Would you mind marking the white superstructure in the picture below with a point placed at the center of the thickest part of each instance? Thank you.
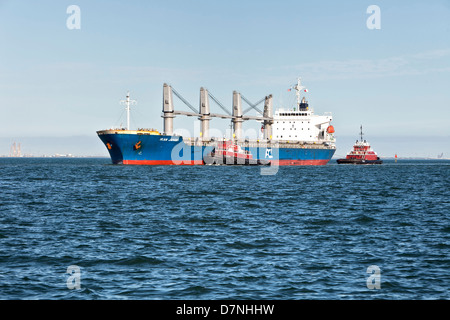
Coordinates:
(301, 124)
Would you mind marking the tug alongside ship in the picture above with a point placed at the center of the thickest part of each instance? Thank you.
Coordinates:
(294, 136)
(228, 153)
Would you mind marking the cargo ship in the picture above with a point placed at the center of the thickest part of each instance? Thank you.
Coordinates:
(362, 153)
(294, 136)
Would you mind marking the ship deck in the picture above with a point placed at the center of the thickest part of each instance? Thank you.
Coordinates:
(263, 144)
(248, 143)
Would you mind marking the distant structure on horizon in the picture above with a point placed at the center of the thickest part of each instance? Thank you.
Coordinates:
(15, 151)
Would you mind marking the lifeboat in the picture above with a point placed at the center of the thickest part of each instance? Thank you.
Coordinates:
(330, 129)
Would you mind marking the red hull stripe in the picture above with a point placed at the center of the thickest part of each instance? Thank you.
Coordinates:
(163, 162)
(200, 162)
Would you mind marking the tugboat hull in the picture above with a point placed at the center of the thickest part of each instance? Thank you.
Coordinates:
(227, 160)
(358, 161)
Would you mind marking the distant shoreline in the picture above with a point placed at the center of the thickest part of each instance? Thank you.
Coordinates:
(412, 158)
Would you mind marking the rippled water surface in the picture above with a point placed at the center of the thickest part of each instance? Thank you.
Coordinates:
(223, 232)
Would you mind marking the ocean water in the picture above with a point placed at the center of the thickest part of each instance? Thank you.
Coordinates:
(329, 232)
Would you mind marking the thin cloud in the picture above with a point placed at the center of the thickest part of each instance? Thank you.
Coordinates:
(413, 64)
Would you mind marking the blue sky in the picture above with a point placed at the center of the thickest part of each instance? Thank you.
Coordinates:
(56, 82)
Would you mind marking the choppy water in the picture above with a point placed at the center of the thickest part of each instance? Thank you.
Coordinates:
(223, 232)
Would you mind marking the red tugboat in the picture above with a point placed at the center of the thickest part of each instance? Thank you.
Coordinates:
(227, 153)
(362, 153)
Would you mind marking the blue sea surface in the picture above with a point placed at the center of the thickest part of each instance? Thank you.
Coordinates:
(208, 232)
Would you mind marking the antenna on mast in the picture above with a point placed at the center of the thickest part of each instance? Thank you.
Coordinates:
(127, 102)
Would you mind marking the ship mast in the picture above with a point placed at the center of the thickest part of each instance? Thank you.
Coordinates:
(299, 87)
(361, 134)
(127, 104)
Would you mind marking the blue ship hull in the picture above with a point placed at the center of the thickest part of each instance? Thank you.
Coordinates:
(133, 147)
